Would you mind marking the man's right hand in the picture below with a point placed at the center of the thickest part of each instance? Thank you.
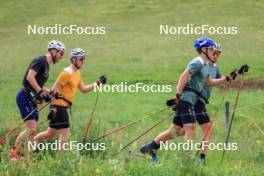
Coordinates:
(171, 102)
(102, 80)
(43, 92)
(56, 94)
(232, 75)
(236, 72)
(45, 95)
(174, 101)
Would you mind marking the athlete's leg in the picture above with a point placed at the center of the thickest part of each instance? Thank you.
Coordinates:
(189, 131)
(169, 133)
(188, 118)
(31, 130)
(46, 135)
(207, 133)
(205, 123)
(26, 107)
(152, 147)
(64, 136)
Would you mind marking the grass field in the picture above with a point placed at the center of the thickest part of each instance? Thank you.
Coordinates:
(132, 50)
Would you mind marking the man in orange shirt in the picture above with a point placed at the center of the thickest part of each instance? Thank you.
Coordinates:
(66, 84)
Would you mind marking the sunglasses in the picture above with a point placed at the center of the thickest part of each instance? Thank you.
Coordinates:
(211, 48)
(61, 53)
(82, 59)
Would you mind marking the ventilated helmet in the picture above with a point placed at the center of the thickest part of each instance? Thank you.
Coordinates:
(77, 52)
(203, 42)
(54, 44)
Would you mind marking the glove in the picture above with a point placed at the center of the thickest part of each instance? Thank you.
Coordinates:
(243, 69)
(56, 94)
(236, 72)
(171, 102)
(102, 80)
(174, 108)
(232, 75)
(44, 94)
(46, 98)
(174, 101)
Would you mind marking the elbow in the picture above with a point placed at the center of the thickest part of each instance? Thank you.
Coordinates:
(82, 90)
(209, 83)
(29, 77)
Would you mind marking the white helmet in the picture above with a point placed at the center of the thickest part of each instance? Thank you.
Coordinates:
(217, 47)
(77, 52)
(54, 44)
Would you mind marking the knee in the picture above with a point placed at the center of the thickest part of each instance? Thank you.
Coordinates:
(50, 134)
(180, 132)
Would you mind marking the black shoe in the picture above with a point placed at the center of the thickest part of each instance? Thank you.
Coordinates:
(146, 149)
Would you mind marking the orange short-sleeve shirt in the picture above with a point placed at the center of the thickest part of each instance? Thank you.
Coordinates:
(69, 80)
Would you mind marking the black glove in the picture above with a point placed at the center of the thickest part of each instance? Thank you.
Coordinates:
(46, 97)
(56, 95)
(171, 102)
(174, 108)
(232, 75)
(243, 69)
(102, 80)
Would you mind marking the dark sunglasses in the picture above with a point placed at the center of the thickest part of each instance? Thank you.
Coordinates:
(211, 48)
(61, 53)
(82, 59)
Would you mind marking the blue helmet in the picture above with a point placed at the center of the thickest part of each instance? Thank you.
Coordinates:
(203, 42)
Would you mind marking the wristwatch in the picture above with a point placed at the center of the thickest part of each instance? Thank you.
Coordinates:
(178, 95)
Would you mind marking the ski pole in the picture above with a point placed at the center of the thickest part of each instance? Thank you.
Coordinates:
(129, 124)
(87, 130)
(233, 114)
(146, 131)
(22, 121)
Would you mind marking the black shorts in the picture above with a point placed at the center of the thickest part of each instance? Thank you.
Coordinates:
(59, 117)
(201, 113)
(185, 114)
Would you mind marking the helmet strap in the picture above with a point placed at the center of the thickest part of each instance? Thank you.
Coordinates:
(206, 53)
(75, 64)
(53, 57)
